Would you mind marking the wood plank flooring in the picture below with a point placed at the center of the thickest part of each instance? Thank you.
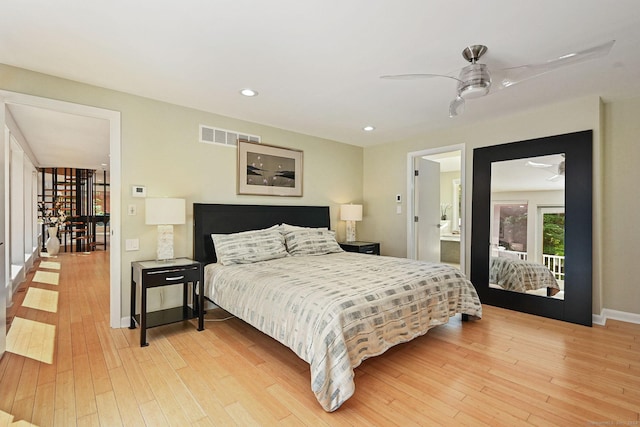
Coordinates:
(507, 369)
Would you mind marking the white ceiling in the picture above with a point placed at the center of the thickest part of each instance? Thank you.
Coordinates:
(316, 64)
(521, 175)
(60, 139)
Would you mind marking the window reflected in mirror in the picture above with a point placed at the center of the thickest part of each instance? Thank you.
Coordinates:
(527, 226)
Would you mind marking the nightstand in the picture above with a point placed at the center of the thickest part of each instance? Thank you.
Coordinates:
(371, 248)
(153, 274)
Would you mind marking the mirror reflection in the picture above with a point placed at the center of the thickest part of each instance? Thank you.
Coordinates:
(527, 225)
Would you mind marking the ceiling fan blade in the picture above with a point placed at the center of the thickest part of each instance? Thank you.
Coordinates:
(519, 74)
(538, 165)
(415, 76)
(456, 107)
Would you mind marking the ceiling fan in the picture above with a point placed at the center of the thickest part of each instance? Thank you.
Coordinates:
(474, 80)
(556, 170)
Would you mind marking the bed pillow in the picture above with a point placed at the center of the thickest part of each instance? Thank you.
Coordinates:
(249, 246)
(286, 228)
(311, 241)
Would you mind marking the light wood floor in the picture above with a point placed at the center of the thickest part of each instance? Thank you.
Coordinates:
(506, 369)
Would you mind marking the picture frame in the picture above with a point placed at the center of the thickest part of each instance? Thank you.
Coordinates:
(269, 170)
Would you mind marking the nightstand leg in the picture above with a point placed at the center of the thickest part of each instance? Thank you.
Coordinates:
(143, 316)
(200, 305)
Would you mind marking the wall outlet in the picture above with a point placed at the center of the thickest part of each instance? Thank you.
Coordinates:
(132, 245)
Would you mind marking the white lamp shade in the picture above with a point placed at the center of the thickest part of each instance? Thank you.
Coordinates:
(351, 212)
(164, 211)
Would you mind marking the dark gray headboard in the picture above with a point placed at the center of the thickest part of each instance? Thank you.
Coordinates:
(225, 219)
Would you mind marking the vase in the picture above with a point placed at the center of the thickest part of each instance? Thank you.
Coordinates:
(52, 244)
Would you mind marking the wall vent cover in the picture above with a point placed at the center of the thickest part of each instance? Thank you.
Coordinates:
(211, 135)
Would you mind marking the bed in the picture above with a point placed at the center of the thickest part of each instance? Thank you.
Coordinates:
(521, 276)
(334, 309)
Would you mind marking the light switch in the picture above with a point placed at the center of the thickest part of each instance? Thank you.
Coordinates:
(399, 209)
(132, 244)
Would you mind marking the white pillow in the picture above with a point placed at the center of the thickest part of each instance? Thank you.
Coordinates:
(249, 246)
(286, 228)
(311, 241)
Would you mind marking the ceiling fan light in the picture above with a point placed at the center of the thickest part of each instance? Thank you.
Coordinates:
(475, 81)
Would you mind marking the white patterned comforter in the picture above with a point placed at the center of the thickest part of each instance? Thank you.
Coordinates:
(520, 276)
(336, 310)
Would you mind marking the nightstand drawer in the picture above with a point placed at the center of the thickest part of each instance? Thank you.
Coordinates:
(171, 275)
(371, 248)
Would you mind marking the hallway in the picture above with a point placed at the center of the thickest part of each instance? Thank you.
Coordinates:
(62, 314)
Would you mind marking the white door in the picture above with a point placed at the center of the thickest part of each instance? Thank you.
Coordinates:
(427, 185)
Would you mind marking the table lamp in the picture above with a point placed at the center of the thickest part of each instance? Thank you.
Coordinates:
(164, 212)
(351, 214)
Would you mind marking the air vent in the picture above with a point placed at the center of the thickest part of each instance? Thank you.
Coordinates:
(210, 135)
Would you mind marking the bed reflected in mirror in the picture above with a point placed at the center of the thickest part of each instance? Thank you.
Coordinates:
(527, 225)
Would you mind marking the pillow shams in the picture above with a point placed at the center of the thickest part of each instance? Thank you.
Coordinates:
(311, 241)
(249, 246)
(287, 228)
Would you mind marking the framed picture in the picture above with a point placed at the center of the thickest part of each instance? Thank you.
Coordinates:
(269, 170)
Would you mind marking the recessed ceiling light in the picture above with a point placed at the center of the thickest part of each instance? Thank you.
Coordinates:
(248, 92)
(368, 128)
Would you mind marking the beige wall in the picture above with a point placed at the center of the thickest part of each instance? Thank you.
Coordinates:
(160, 150)
(621, 205)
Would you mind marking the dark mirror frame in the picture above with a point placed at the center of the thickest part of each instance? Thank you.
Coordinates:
(577, 304)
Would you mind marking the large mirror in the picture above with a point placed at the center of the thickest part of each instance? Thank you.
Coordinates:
(532, 219)
(527, 225)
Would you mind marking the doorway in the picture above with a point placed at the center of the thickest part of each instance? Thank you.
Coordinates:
(114, 141)
(436, 208)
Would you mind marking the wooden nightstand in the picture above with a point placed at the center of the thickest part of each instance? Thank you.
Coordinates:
(152, 274)
(372, 248)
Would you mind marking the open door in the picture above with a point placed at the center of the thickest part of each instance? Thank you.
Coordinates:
(427, 185)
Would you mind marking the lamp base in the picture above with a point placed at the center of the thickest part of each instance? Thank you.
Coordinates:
(351, 231)
(165, 243)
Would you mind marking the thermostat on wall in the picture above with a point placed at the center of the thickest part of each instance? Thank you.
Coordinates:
(138, 191)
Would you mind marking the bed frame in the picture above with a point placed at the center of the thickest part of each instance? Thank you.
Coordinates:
(225, 219)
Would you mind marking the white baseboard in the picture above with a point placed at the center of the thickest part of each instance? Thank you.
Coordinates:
(125, 322)
(623, 316)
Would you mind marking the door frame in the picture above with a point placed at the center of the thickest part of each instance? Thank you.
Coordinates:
(539, 227)
(115, 178)
(411, 229)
